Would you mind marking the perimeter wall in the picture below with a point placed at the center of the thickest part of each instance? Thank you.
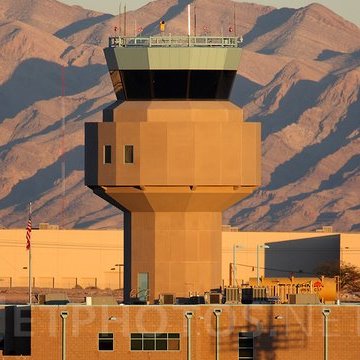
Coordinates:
(89, 258)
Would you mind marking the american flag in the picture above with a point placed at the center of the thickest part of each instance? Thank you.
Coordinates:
(28, 234)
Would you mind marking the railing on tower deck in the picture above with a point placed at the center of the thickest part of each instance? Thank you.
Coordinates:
(175, 41)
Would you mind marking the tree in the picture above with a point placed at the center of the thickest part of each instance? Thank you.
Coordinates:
(349, 277)
(349, 274)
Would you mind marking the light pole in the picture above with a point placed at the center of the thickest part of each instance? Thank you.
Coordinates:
(258, 247)
(342, 253)
(326, 313)
(235, 247)
(63, 315)
(118, 266)
(29, 284)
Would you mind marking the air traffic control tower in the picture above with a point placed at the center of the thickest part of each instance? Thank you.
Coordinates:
(173, 153)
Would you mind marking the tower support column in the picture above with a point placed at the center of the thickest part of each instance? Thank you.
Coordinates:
(174, 252)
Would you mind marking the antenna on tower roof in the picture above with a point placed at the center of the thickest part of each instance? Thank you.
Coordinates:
(194, 18)
(189, 20)
(120, 18)
(125, 19)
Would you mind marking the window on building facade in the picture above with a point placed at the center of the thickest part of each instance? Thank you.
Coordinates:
(246, 346)
(107, 154)
(129, 154)
(155, 342)
(106, 342)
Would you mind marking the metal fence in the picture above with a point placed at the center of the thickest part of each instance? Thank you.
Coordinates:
(175, 41)
(52, 282)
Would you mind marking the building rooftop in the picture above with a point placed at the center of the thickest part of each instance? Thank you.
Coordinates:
(175, 41)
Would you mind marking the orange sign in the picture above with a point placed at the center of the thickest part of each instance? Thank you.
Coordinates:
(318, 285)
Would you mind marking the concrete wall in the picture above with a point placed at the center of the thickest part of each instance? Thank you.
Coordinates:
(62, 256)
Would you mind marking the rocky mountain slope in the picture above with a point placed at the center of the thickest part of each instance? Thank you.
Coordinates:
(299, 76)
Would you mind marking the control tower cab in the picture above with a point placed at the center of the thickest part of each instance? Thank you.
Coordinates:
(172, 153)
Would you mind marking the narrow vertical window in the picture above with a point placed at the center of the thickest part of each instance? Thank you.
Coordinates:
(107, 154)
(106, 342)
(129, 154)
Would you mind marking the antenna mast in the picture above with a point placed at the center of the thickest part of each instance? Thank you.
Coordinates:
(125, 19)
(189, 20)
(195, 18)
(120, 19)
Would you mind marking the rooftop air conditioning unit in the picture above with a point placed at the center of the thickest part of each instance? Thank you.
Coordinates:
(327, 229)
(213, 298)
(259, 293)
(233, 295)
(247, 296)
(167, 299)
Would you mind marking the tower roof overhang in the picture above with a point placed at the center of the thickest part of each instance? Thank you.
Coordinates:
(170, 58)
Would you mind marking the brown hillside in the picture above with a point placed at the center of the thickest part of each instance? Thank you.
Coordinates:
(299, 77)
(311, 32)
(48, 15)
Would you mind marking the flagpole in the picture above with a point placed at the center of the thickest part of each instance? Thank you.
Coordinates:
(30, 275)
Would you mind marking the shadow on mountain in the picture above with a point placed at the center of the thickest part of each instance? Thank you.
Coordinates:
(280, 210)
(243, 90)
(101, 215)
(80, 114)
(172, 12)
(297, 167)
(37, 79)
(273, 215)
(356, 54)
(301, 96)
(342, 174)
(268, 22)
(246, 212)
(43, 180)
(326, 218)
(328, 54)
(81, 25)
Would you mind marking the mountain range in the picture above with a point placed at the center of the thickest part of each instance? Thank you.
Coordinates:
(299, 76)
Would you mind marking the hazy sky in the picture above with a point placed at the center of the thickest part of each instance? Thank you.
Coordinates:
(349, 9)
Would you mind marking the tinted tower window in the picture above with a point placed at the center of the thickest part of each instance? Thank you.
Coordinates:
(129, 154)
(107, 154)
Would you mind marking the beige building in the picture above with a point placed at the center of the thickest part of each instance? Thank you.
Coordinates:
(66, 258)
(62, 258)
